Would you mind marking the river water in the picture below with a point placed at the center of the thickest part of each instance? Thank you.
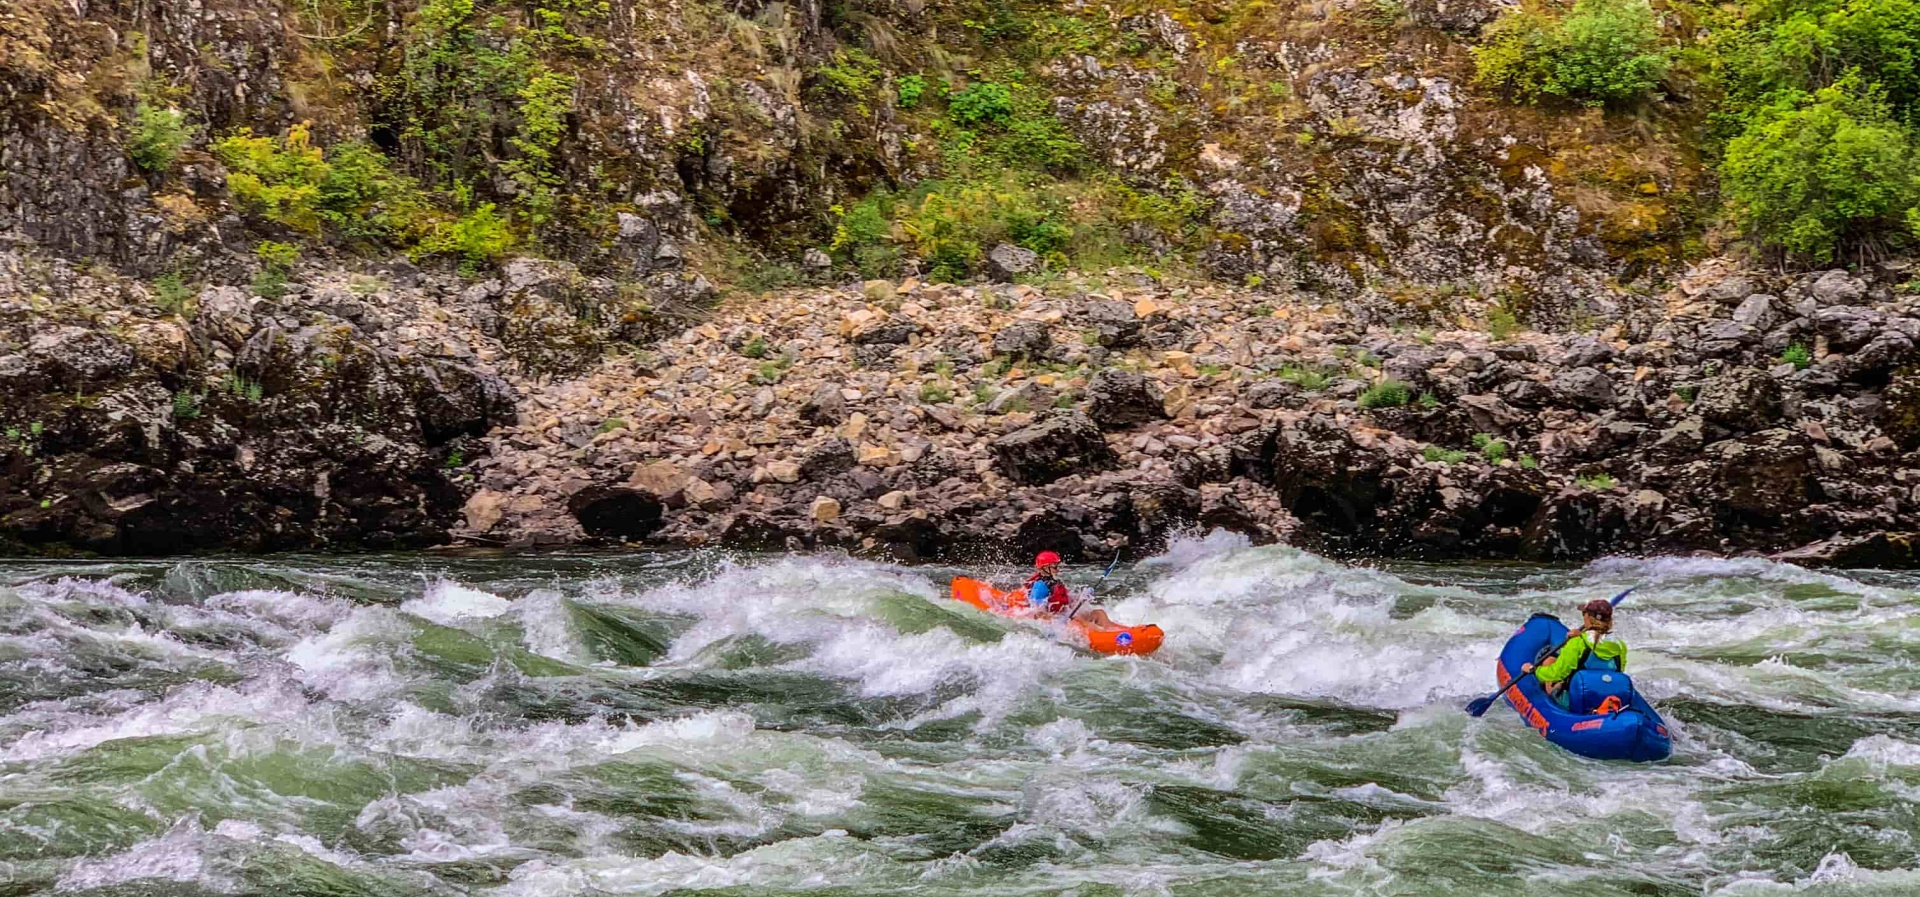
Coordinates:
(707, 724)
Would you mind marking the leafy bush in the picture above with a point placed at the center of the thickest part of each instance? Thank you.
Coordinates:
(1311, 379)
(350, 188)
(1529, 462)
(852, 74)
(276, 262)
(1798, 355)
(982, 103)
(1494, 450)
(936, 393)
(1603, 51)
(276, 179)
(1386, 394)
(158, 136)
(1502, 323)
(171, 292)
(1817, 175)
(755, 348)
(478, 237)
(1443, 455)
(1598, 482)
(909, 90)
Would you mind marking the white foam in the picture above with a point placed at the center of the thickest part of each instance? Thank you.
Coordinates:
(451, 604)
(179, 856)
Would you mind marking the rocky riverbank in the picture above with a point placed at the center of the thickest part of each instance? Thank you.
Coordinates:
(387, 406)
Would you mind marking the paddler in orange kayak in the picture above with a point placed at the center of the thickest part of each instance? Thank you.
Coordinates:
(1046, 594)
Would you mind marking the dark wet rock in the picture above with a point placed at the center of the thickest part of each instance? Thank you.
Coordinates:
(1025, 339)
(893, 332)
(616, 513)
(834, 456)
(1741, 399)
(1113, 323)
(1585, 388)
(1878, 550)
(1064, 443)
(1847, 328)
(1586, 352)
(1117, 398)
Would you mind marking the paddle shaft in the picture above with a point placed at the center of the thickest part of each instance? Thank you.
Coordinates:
(1096, 587)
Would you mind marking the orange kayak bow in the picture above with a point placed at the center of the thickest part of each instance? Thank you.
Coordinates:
(1138, 641)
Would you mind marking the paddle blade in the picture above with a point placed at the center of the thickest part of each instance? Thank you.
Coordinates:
(1480, 705)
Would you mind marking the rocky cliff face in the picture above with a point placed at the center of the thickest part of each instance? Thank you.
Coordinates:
(1325, 147)
(1753, 414)
(1361, 234)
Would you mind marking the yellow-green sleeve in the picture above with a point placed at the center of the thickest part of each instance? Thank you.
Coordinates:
(1565, 663)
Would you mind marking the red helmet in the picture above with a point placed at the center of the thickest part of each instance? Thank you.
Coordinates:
(1598, 608)
(1045, 558)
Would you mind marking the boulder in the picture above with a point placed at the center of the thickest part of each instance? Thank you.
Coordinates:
(1113, 323)
(1584, 388)
(826, 407)
(1847, 328)
(825, 509)
(1878, 550)
(1757, 311)
(637, 244)
(1586, 352)
(1741, 399)
(1007, 261)
(1024, 339)
(1117, 398)
(1729, 291)
(1837, 287)
(616, 512)
(891, 332)
(831, 457)
(452, 400)
(1064, 443)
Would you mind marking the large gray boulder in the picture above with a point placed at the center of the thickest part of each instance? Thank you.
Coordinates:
(1065, 443)
(1007, 261)
(1117, 398)
(1742, 399)
(1584, 388)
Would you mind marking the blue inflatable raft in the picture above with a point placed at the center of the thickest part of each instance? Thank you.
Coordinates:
(1605, 717)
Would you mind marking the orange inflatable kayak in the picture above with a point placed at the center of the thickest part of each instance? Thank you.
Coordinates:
(1138, 641)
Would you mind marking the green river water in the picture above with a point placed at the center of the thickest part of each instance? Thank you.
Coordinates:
(717, 724)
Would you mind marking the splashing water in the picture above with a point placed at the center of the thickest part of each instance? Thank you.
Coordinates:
(680, 724)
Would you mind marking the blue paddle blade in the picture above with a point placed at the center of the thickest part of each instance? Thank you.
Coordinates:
(1480, 706)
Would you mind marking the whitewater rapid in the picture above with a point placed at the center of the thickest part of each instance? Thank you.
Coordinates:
(691, 723)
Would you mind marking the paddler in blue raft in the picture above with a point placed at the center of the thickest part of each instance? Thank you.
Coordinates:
(1596, 648)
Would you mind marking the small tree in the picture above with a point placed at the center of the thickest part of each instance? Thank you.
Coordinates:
(1816, 175)
(1603, 51)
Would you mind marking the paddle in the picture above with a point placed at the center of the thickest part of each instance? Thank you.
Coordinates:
(1095, 590)
(1480, 706)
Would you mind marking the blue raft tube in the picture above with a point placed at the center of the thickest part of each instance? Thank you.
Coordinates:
(1628, 729)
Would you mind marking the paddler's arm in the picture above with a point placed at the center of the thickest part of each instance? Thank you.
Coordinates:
(1565, 662)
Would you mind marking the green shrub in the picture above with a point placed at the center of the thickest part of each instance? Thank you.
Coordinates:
(908, 91)
(852, 74)
(158, 136)
(1502, 324)
(1443, 455)
(755, 348)
(276, 179)
(171, 292)
(1529, 462)
(1386, 394)
(1602, 51)
(611, 424)
(478, 237)
(983, 103)
(936, 393)
(1428, 401)
(1798, 355)
(1814, 176)
(1311, 379)
(1598, 482)
(186, 405)
(1494, 450)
